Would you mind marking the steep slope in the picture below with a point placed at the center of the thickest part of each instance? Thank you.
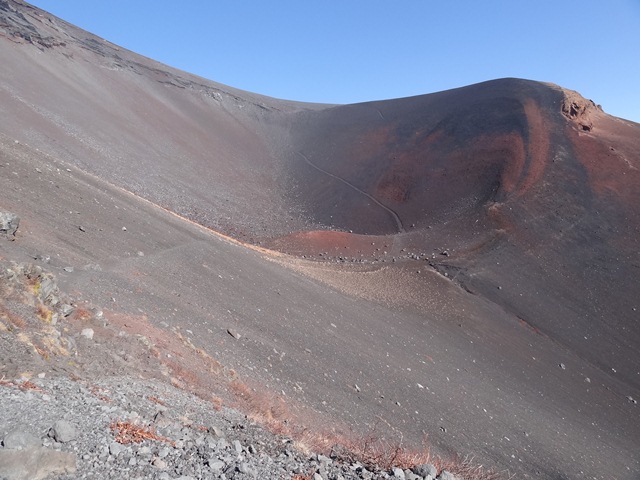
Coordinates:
(525, 185)
(486, 296)
(177, 139)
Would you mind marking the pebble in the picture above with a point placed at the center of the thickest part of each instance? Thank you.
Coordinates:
(87, 333)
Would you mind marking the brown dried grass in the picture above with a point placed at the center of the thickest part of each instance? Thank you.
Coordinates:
(127, 433)
(12, 318)
(81, 314)
(266, 408)
(41, 351)
(468, 469)
(183, 377)
(370, 450)
(29, 385)
(157, 401)
(217, 402)
(44, 313)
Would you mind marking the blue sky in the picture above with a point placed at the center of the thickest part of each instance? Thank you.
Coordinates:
(357, 50)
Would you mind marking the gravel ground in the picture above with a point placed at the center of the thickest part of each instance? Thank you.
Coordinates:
(121, 427)
(80, 398)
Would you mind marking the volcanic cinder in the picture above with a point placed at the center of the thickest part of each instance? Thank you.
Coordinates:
(470, 258)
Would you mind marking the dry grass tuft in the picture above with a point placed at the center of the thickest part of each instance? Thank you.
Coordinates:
(216, 402)
(158, 401)
(266, 408)
(127, 432)
(99, 393)
(44, 313)
(6, 383)
(41, 351)
(371, 450)
(29, 385)
(183, 377)
(81, 314)
(13, 319)
(469, 470)
(308, 476)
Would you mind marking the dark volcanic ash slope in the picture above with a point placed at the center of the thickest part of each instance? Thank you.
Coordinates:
(525, 185)
(194, 146)
(506, 327)
(524, 194)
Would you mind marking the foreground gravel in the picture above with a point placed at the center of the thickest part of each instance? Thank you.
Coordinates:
(122, 427)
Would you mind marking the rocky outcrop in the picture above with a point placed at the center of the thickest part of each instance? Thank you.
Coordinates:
(579, 110)
(9, 223)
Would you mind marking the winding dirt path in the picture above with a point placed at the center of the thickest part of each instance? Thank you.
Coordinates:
(395, 216)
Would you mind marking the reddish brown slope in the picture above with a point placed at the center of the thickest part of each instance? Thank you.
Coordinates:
(532, 191)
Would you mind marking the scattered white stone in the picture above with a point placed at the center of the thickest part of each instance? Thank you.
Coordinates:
(87, 333)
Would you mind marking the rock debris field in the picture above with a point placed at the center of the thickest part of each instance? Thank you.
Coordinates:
(127, 428)
(82, 399)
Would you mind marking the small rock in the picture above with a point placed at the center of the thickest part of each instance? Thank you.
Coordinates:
(92, 267)
(81, 228)
(68, 269)
(398, 473)
(159, 463)
(124, 229)
(63, 432)
(9, 223)
(144, 451)
(216, 465)
(233, 333)
(66, 310)
(21, 438)
(87, 333)
(237, 446)
(246, 469)
(446, 475)
(115, 449)
(563, 366)
(426, 469)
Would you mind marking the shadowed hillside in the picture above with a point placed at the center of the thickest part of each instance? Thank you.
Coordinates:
(463, 265)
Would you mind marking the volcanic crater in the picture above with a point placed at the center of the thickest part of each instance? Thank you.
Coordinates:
(470, 259)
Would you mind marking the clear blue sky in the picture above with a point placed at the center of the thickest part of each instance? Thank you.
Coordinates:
(357, 50)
